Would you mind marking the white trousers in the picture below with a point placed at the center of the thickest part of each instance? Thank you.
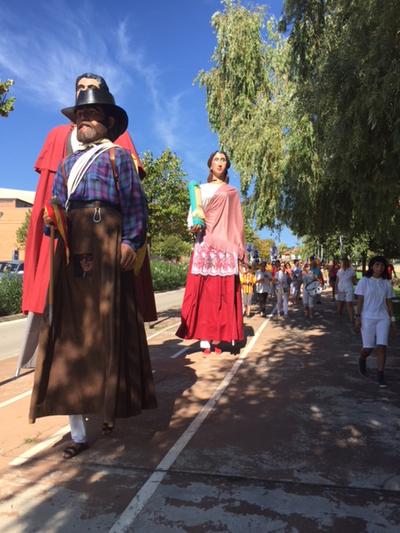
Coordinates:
(282, 302)
(78, 429)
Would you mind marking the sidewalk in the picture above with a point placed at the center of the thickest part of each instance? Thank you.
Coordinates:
(301, 442)
(298, 442)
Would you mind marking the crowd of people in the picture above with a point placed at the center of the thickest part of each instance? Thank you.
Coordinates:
(284, 281)
(368, 301)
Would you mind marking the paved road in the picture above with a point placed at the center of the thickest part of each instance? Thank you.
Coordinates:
(12, 333)
(286, 437)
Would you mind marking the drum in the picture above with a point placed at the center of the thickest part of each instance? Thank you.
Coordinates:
(314, 287)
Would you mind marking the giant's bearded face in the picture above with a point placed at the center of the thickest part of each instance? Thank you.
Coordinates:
(92, 123)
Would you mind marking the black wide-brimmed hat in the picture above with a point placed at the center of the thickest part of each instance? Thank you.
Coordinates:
(104, 98)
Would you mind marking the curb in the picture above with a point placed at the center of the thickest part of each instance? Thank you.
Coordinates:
(9, 318)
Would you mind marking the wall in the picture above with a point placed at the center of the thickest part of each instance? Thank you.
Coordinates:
(12, 216)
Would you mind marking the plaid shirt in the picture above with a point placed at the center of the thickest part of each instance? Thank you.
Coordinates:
(98, 184)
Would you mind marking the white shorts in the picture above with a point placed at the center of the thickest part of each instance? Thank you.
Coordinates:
(308, 299)
(345, 296)
(375, 331)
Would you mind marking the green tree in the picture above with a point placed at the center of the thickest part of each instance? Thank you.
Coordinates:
(312, 122)
(6, 101)
(345, 58)
(22, 231)
(247, 96)
(168, 199)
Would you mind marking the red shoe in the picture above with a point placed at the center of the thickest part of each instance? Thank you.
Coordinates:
(207, 351)
(217, 350)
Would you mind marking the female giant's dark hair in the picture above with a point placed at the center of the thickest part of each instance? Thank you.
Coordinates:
(378, 259)
(228, 164)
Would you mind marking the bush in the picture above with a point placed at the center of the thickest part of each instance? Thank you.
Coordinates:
(10, 295)
(171, 247)
(168, 276)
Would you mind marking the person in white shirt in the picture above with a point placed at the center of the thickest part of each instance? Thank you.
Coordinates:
(345, 280)
(281, 282)
(263, 283)
(374, 314)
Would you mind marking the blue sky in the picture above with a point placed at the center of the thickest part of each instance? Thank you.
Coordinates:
(148, 51)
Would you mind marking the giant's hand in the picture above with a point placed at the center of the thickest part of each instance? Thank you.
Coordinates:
(128, 256)
(196, 229)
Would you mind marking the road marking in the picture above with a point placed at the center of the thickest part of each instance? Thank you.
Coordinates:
(183, 350)
(15, 399)
(177, 354)
(161, 330)
(125, 521)
(21, 459)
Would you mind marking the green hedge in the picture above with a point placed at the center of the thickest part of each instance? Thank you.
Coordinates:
(168, 276)
(10, 295)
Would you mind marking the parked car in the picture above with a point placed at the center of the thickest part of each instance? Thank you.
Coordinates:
(11, 268)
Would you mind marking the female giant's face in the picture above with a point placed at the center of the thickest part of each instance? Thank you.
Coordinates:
(218, 165)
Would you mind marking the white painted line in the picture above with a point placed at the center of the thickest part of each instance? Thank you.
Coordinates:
(185, 349)
(15, 399)
(41, 446)
(125, 521)
(177, 354)
(162, 330)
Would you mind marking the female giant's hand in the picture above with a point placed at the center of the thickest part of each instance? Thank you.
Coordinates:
(195, 229)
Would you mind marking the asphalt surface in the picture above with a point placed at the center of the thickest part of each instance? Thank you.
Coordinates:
(286, 436)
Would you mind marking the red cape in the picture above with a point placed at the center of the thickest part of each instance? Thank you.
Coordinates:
(37, 252)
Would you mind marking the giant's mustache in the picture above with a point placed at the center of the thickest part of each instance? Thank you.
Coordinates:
(84, 123)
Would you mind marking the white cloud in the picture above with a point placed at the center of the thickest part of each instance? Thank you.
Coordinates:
(45, 56)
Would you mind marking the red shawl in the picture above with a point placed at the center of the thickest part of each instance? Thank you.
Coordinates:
(224, 221)
(37, 262)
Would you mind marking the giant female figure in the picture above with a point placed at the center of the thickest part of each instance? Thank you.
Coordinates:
(212, 305)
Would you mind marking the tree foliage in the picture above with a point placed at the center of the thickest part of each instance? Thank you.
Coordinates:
(22, 231)
(246, 102)
(6, 101)
(312, 122)
(168, 199)
(345, 59)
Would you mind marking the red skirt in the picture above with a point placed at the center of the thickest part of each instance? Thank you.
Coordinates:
(212, 308)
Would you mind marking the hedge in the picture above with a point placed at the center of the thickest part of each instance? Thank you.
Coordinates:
(166, 276)
(10, 295)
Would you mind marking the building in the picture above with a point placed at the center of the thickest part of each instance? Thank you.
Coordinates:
(14, 205)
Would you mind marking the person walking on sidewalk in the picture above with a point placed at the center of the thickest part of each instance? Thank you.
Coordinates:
(247, 281)
(332, 275)
(345, 280)
(297, 280)
(263, 283)
(93, 356)
(374, 315)
(282, 283)
(308, 297)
